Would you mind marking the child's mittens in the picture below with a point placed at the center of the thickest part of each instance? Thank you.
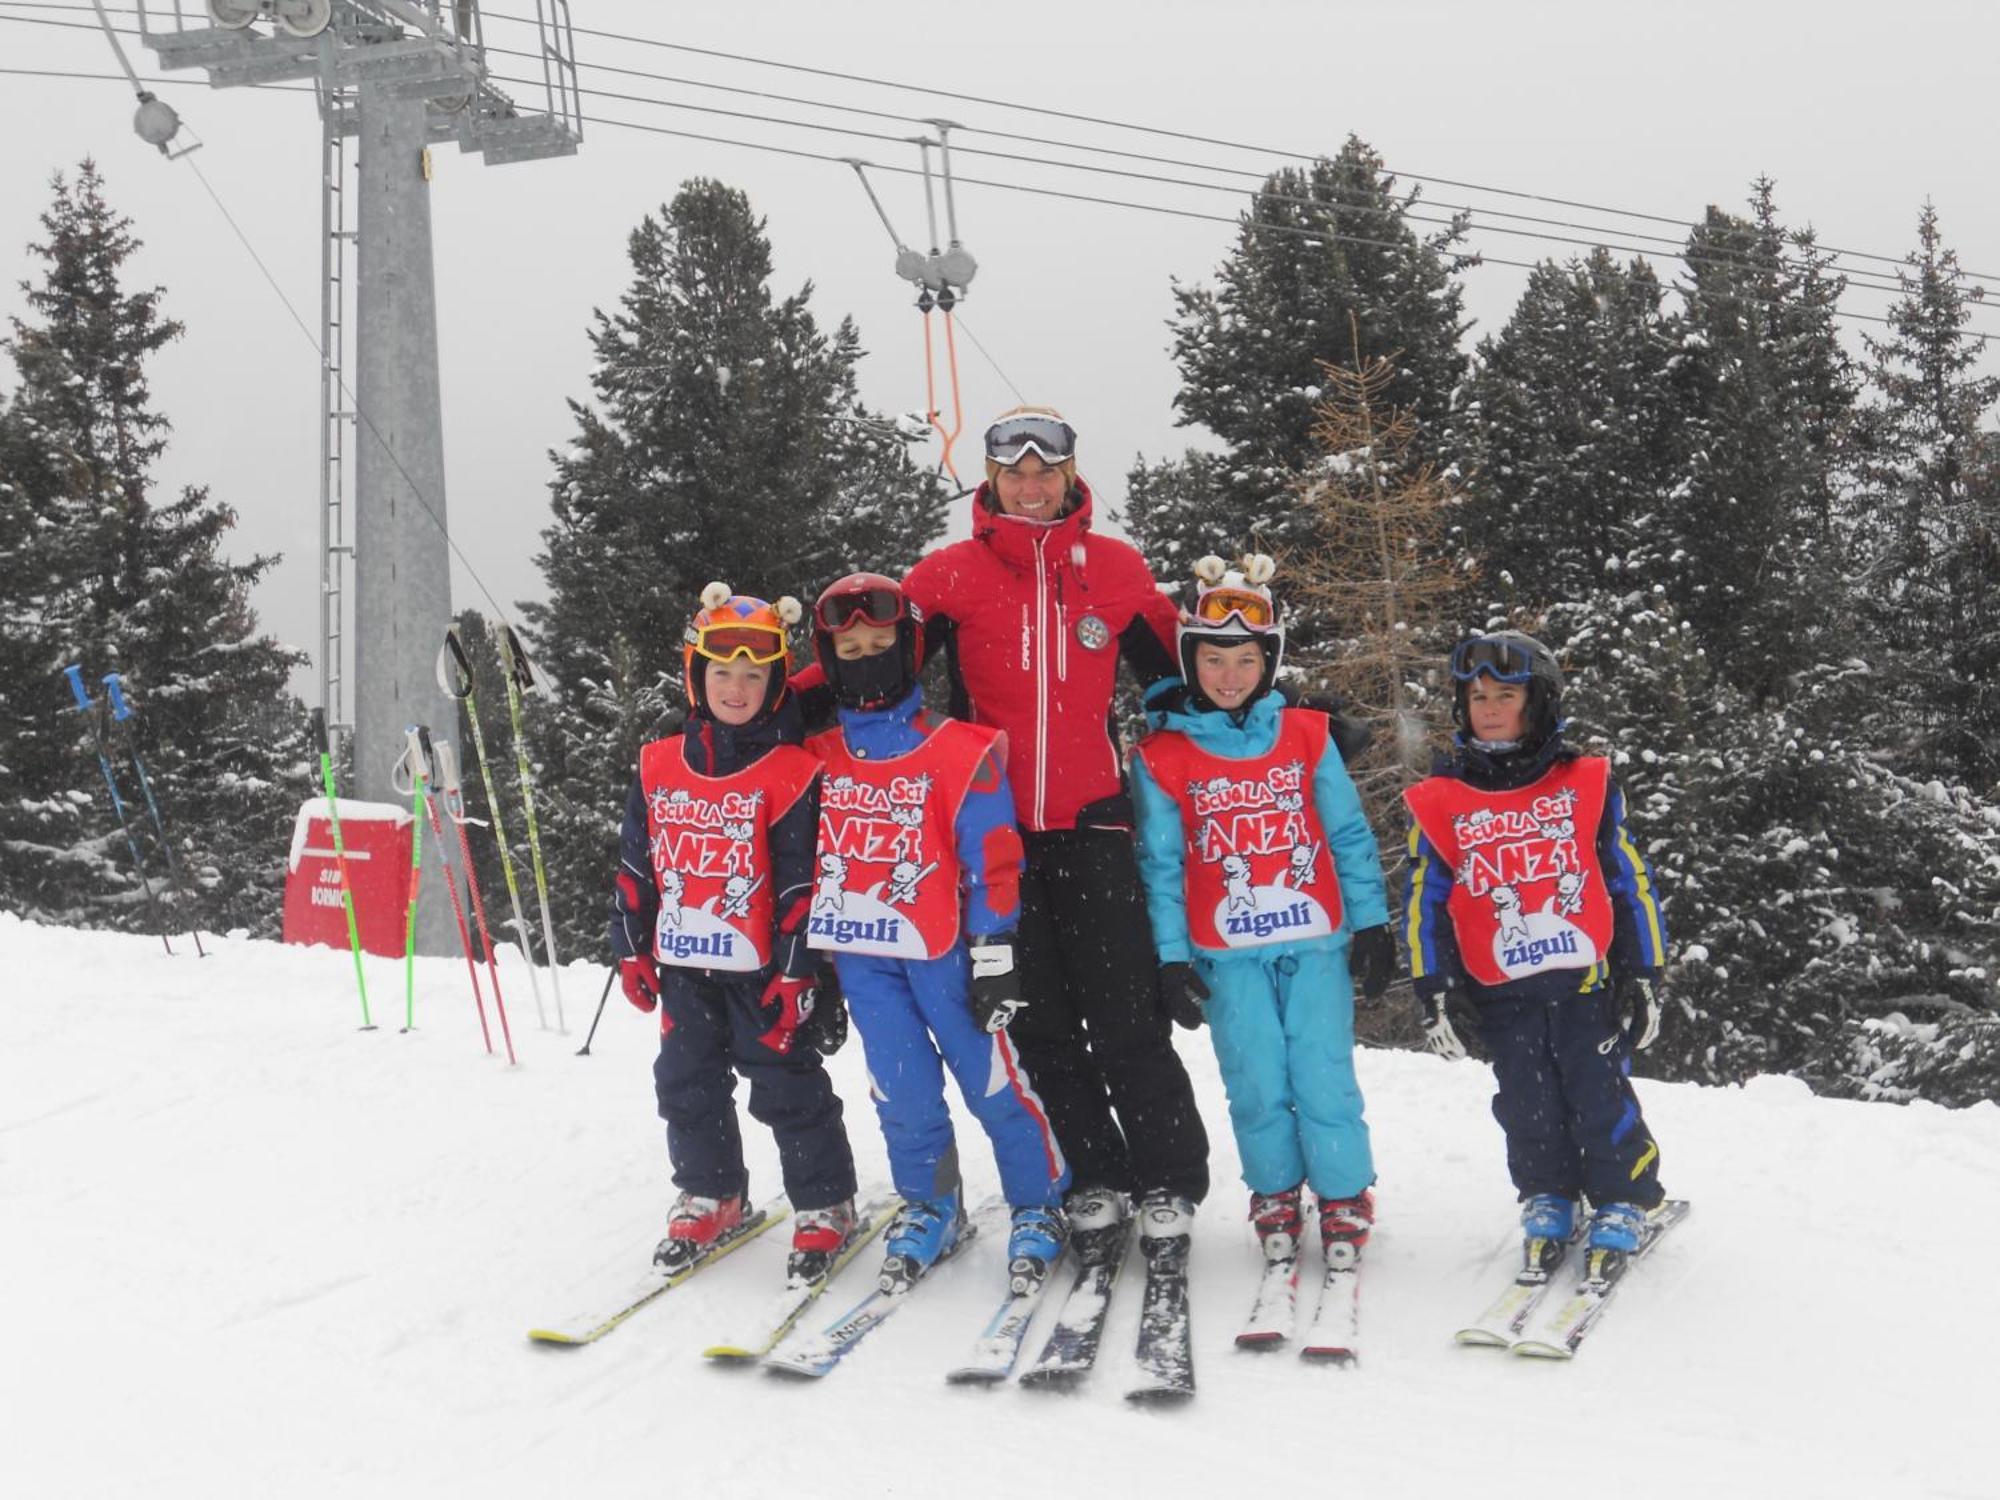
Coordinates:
(996, 983)
(1372, 961)
(639, 977)
(825, 1030)
(1438, 1034)
(1639, 1007)
(792, 1000)
(1183, 994)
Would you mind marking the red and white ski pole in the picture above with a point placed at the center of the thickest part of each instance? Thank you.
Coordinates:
(446, 761)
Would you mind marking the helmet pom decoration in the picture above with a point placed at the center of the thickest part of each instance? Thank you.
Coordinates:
(1258, 568)
(715, 596)
(790, 610)
(1210, 569)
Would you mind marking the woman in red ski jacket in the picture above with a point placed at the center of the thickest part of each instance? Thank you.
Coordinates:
(1034, 613)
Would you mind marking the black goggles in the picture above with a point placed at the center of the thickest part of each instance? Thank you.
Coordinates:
(1050, 439)
(1492, 656)
(862, 606)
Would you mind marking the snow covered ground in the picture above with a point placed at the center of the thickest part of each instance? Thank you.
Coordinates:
(249, 1250)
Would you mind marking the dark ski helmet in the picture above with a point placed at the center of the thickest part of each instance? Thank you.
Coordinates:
(868, 682)
(1231, 607)
(1509, 656)
(730, 625)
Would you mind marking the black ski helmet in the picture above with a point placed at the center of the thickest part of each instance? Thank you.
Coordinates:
(869, 682)
(1510, 656)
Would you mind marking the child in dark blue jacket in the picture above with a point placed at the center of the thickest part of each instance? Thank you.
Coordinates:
(1528, 895)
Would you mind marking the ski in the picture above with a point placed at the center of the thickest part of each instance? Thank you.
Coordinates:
(815, 1356)
(1165, 1351)
(590, 1327)
(1275, 1311)
(1567, 1327)
(1336, 1326)
(999, 1345)
(1510, 1312)
(1072, 1344)
(782, 1315)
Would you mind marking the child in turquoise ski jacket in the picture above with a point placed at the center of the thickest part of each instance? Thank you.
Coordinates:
(1261, 876)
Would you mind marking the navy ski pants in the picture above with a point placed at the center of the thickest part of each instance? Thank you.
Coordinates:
(1565, 1099)
(717, 1019)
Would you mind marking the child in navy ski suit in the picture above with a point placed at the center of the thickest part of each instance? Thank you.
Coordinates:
(1528, 895)
(708, 922)
(1260, 869)
(916, 894)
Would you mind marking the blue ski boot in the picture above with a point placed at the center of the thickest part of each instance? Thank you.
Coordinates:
(1033, 1246)
(922, 1234)
(1548, 1224)
(1616, 1230)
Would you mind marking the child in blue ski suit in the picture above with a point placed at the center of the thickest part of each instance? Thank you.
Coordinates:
(1528, 896)
(917, 894)
(1260, 870)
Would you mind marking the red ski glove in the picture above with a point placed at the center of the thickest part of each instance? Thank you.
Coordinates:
(639, 977)
(794, 1001)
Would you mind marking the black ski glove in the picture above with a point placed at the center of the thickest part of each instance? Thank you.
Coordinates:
(1638, 998)
(1182, 994)
(996, 984)
(825, 1030)
(1372, 960)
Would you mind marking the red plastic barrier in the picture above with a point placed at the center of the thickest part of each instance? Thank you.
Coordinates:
(377, 838)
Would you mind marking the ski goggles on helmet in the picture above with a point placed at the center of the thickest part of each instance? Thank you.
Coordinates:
(1245, 607)
(1492, 656)
(728, 639)
(1012, 439)
(865, 606)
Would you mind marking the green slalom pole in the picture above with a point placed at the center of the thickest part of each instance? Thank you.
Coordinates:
(520, 676)
(416, 885)
(340, 860)
(454, 674)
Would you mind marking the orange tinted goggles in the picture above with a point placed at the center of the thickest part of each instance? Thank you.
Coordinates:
(726, 642)
(1217, 606)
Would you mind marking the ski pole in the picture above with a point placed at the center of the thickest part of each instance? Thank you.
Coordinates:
(416, 885)
(520, 677)
(121, 715)
(86, 706)
(454, 807)
(584, 1050)
(340, 860)
(454, 674)
(418, 754)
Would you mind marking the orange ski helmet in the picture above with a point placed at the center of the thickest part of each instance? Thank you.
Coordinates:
(729, 626)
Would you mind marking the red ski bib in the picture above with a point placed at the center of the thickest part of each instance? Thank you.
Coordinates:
(1527, 895)
(1256, 866)
(710, 843)
(888, 856)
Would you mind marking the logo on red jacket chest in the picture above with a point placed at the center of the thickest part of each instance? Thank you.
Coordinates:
(704, 836)
(1092, 633)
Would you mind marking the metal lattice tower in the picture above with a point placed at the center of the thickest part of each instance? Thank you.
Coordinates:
(396, 77)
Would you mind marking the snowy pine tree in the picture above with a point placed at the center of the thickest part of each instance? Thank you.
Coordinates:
(1929, 523)
(1317, 246)
(1574, 433)
(726, 441)
(94, 569)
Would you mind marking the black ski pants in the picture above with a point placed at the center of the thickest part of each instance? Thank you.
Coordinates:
(1565, 1099)
(1092, 1036)
(717, 1019)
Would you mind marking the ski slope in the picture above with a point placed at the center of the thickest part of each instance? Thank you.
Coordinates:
(249, 1250)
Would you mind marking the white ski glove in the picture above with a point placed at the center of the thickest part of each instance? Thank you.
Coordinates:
(1438, 1034)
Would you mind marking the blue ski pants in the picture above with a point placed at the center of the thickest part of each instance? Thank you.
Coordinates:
(1283, 1028)
(1565, 1099)
(915, 1020)
(716, 1022)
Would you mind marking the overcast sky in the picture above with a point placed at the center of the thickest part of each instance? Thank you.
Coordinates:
(1859, 113)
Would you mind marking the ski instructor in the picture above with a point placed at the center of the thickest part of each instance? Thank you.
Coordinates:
(1034, 612)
